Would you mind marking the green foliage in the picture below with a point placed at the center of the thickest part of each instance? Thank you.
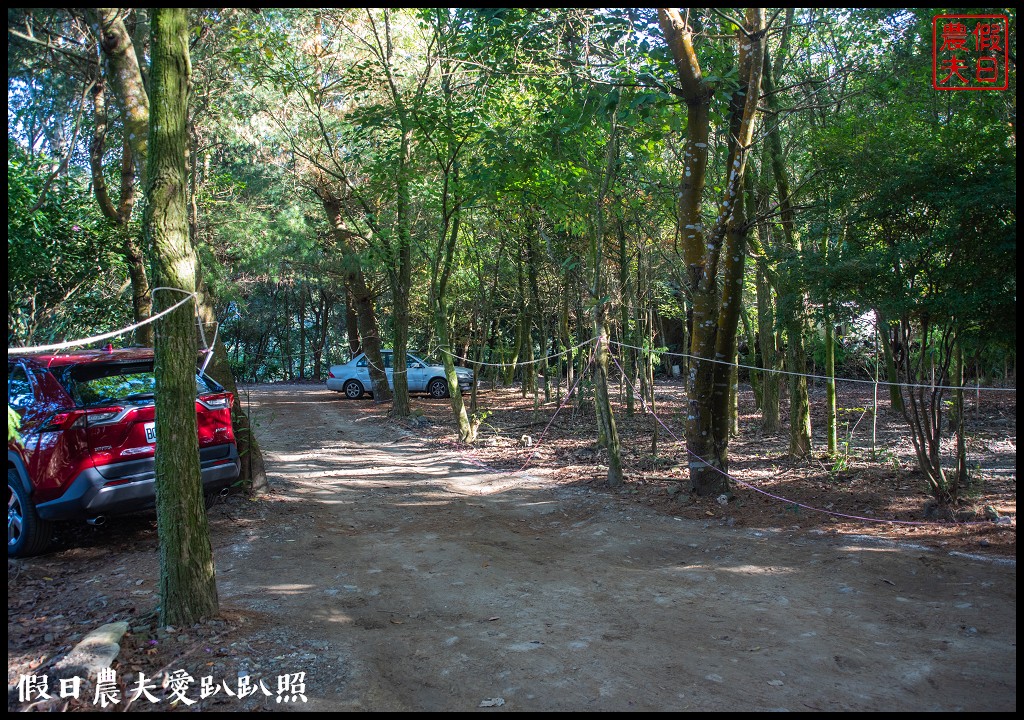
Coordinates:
(928, 232)
(817, 350)
(64, 276)
(929, 195)
(13, 425)
(841, 461)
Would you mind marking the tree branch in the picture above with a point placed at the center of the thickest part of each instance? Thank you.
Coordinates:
(63, 165)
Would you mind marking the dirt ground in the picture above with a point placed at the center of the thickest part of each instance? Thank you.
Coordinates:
(398, 574)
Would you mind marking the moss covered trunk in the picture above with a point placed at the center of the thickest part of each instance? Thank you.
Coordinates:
(188, 590)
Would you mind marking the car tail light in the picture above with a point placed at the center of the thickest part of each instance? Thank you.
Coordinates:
(101, 416)
(82, 417)
(221, 401)
(330, 374)
(62, 421)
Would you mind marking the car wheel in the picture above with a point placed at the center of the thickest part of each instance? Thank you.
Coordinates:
(27, 533)
(353, 389)
(438, 388)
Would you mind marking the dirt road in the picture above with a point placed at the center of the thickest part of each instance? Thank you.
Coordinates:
(414, 581)
(400, 577)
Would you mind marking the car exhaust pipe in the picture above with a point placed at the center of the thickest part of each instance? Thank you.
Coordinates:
(97, 521)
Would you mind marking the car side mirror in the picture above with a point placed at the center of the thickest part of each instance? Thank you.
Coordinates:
(418, 366)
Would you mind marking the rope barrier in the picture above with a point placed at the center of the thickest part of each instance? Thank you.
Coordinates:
(86, 341)
(817, 377)
(524, 362)
(752, 487)
(393, 372)
(503, 365)
(536, 448)
(104, 336)
(208, 350)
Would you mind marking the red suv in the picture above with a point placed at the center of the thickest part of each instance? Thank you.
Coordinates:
(88, 438)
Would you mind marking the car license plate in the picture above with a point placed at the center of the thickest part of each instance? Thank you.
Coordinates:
(150, 429)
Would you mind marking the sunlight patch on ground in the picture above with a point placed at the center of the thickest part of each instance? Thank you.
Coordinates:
(891, 549)
(290, 589)
(423, 503)
(757, 570)
(334, 616)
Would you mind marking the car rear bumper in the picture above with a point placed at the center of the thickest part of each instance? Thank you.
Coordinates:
(131, 486)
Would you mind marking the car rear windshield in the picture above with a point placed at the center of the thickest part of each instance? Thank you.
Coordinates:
(97, 384)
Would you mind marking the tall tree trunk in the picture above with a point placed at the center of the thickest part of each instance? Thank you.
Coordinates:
(715, 317)
(443, 263)
(253, 470)
(399, 242)
(831, 432)
(791, 297)
(750, 358)
(607, 432)
(529, 371)
(125, 75)
(530, 368)
(188, 590)
(734, 398)
(355, 282)
(625, 353)
(643, 334)
(830, 374)
(963, 478)
(466, 429)
(891, 374)
(566, 337)
(730, 309)
(584, 396)
(770, 356)
(649, 374)
(799, 401)
(303, 289)
(485, 347)
(538, 313)
(401, 275)
(351, 320)
(370, 338)
(120, 215)
(603, 403)
(284, 338)
(517, 345)
(142, 296)
(323, 317)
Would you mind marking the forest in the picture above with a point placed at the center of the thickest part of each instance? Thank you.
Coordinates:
(580, 205)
